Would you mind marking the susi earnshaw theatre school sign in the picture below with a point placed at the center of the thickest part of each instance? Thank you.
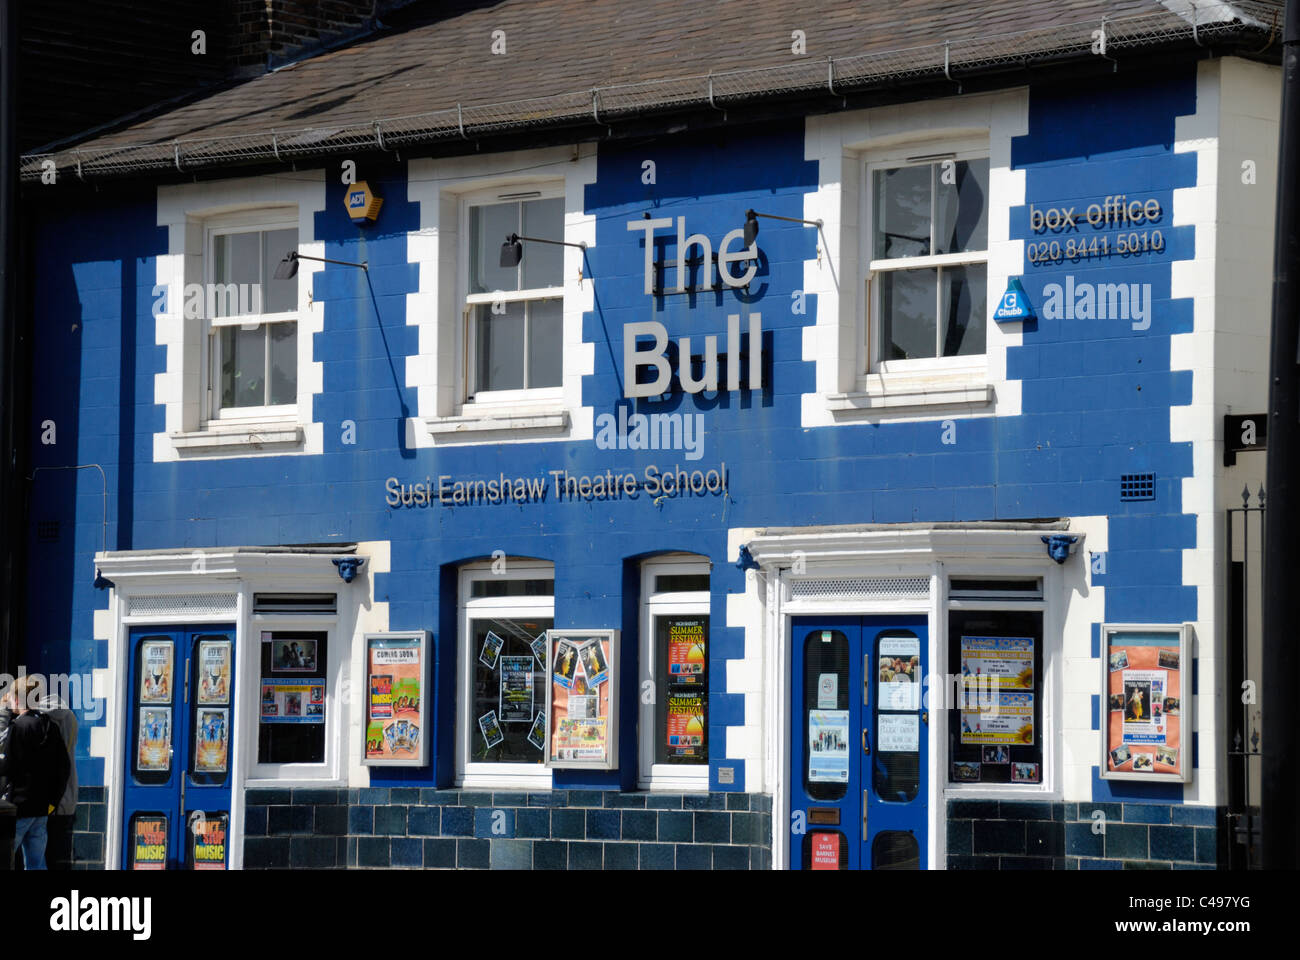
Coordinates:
(636, 431)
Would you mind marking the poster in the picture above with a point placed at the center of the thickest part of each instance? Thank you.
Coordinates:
(1024, 773)
(211, 739)
(394, 692)
(828, 746)
(685, 728)
(154, 739)
(492, 734)
(566, 663)
(579, 716)
(156, 656)
(208, 842)
(899, 673)
(580, 739)
(1143, 671)
(516, 704)
(898, 733)
(1008, 719)
(825, 851)
(1003, 662)
(293, 701)
(492, 645)
(537, 734)
(298, 656)
(149, 843)
(594, 664)
(214, 672)
(539, 650)
(687, 650)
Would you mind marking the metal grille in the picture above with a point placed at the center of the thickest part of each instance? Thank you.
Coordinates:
(861, 588)
(1137, 486)
(1181, 21)
(180, 605)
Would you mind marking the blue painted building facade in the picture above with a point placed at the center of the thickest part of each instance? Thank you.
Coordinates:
(1032, 444)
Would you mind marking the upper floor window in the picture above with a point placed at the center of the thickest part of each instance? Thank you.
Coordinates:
(252, 317)
(515, 314)
(927, 281)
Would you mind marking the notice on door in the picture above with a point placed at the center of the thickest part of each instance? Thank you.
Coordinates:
(828, 746)
(898, 733)
(825, 851)
(900, 673)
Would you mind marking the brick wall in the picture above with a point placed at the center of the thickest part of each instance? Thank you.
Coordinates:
(556, 830)
(1020, 835)
(283, 30)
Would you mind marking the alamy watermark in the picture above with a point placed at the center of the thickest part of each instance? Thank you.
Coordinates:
(74, 690)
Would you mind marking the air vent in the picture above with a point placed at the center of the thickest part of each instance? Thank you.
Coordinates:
(994, 589)
(1137, 486)
(296, 603)
(47, 531)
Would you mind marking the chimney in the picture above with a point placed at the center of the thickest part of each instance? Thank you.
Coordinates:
(270, 33)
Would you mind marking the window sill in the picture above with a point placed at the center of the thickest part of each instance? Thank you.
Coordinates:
(897, 392)
(515, 420)
(238, 437)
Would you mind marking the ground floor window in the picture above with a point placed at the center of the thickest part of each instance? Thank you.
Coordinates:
(291, 712)
(995, 730)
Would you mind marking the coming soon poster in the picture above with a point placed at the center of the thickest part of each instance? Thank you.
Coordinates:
(395, 666)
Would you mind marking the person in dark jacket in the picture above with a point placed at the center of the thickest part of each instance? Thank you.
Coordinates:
(59, 845)
(24, 758)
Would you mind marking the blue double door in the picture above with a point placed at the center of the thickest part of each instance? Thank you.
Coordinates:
(859, 743)
(177, 770)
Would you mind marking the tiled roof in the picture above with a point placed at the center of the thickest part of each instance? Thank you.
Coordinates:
(435, 76)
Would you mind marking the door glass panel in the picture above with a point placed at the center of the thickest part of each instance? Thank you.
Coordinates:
(207, 840)
(509, 690)
(897, 764)
(895, 850)
(826, 734)
(151, 758)
(148, 843)
(210, 710)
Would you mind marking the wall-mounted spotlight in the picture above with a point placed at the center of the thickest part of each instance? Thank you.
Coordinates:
(288, 267)
(512, 251)
(751, 224)
(348, 567)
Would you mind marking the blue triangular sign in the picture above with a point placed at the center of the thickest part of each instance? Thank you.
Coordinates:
(1014, 304)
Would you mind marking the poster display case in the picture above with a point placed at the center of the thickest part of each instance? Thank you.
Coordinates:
(397, 710)
(581, 718)
(1145, 670)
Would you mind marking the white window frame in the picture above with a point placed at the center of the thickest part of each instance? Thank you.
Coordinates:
(276, 774)
(255, 221)
(870, 348)
(499, 776)
(667, 776)
(471, 398)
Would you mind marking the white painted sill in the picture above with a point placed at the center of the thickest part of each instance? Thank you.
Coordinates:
(499, 422)
(239, 437)
(898, 392)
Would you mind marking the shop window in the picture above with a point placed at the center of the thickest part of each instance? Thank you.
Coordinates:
(292, 709)
(515, 314)
(674, 718)
(504, 619)
(996, 735)
(928, 261)
(252, 319)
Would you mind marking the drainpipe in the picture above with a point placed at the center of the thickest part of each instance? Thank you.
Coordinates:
(1279, 798)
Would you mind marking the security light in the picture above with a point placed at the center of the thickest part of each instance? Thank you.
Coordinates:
(512, 251)
(751, 224)
(288, 267)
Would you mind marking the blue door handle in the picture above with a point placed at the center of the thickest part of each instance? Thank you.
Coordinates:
(866, 744)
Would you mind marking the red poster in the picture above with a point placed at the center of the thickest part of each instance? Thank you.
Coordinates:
(149, 843)
(825, 851)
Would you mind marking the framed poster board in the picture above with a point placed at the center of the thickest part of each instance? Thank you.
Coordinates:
(397, 709)
(1146, 670)
(582, 699)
